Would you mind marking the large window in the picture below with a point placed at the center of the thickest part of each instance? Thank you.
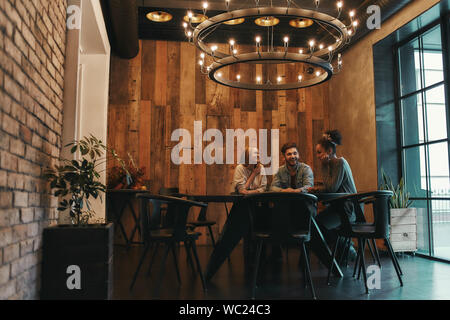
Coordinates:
(424, 143)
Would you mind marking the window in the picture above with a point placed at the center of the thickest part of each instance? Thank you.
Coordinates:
(424, 142)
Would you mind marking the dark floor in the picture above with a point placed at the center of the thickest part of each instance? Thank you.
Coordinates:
(423, 279)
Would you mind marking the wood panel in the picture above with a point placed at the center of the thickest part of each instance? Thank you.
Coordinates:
(162, 90)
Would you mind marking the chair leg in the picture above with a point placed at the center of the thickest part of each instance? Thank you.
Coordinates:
(301, 264)
(360, 265)
(163, 262)
(388, 244)
(344, 256)
(152, 259)
(194, 250)
(188, 255)
(308, 270)
(212, 237)
(255, 272)
(392, 254)
(332, 260)
(139, 266)
(372, 253)
(377, 256)
(176, 262)
(363, 264)
(358, 257)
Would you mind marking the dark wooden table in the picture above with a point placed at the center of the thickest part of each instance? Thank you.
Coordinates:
(117, 203)
(236, 227)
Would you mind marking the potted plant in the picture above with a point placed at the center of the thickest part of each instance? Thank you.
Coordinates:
(77, 258)
(403, 225)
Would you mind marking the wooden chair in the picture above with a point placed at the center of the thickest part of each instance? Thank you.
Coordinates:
(171, 233)
(282, 218)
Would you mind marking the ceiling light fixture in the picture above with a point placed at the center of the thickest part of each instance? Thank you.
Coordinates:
(316, 54)
(159, 16)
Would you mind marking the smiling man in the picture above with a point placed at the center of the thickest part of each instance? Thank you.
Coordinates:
(294, 176)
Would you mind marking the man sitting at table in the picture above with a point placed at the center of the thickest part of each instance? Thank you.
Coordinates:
(294, 176)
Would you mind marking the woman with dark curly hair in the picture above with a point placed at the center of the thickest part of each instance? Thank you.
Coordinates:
(337, 178)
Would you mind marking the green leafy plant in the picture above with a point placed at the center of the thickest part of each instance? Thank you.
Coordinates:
(80, 179)
(401, 196)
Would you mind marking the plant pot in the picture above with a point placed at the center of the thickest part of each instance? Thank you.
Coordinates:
(403, 230)
(77, 262)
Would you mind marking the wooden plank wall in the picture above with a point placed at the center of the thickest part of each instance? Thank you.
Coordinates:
(162, 89)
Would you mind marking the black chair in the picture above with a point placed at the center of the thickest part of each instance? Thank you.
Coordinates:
(173, 230)
(281, 218)
(379, 229)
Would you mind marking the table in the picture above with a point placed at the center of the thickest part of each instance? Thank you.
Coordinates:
(237, 226)
(117, 201)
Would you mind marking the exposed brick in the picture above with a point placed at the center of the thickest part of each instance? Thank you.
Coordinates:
(26, 247)
(26, 215)
(10, 125)
(4, 274)
(11, 253)
(19, 232)
(8, 161)
(3, 178)
(20, 199)
(25, 134)
(7, 290)
(17, 147)
(5, 236)
(5, 199)
(9, 217)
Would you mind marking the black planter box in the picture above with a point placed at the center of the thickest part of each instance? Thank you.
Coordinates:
(72, 253)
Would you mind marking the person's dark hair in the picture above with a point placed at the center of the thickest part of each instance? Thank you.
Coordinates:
(287, 146)
(330, 140)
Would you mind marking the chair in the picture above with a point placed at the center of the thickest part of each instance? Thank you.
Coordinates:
(172, 232)
(282, 218)
(366, 231)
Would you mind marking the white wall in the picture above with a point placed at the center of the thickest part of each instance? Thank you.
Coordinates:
(87, 84)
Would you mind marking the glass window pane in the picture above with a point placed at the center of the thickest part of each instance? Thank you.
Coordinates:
(432, 57)
(409, 61)
(436, 114)
(412, 115)
(439, 172)
(423, 242)
(441, 228)
(415, 171)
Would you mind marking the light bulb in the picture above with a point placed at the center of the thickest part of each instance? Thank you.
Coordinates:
(279, 79)
(219, 74)
(350, 32)
(189, 14)
(317, 73)
(286, 39)
(312, 43)
(213, 48)
(232, 42)
(340, 4)
(185, 25)
(205, 5)
(352, 13)
(189, 34)
(258, 79)
(300, 51)
(258, 39)
(238, 77)
(235, 51)
(321, 47)
(300, 77)
(355, 23)
(200, 62)
(330, 48)
(202, 55)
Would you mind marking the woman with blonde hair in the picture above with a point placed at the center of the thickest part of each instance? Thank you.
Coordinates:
(249, 177)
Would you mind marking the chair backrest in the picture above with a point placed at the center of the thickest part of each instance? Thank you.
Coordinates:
(281, 214)
(176, 217)
(168, 191)
(379, 200)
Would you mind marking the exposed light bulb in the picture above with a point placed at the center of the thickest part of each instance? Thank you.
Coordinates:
(232, 42)
(317, 73)
(238, 77)
(219, 74)
(189, 14)
(205, 5)
(286, 39)
(279, 79)
(258, 39)
(330, 48)
(340, 4)
(300, 51)
(355, 23)
(185, 25)
(312, 43)
(258, 79)
(352, 13)
(300, 77)
(235, 51)
(189, 34)
(321, 47)
(200, 62)
(213, 48)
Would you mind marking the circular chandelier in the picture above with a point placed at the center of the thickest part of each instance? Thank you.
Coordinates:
(318, 56)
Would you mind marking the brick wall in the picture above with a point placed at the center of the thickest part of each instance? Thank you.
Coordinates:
(32, 52)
